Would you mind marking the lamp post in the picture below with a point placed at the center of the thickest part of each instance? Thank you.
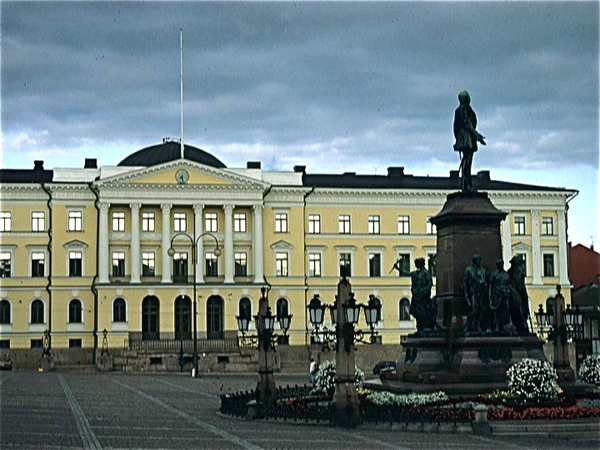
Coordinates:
(265, 322)
(560, 324)
(217, 252)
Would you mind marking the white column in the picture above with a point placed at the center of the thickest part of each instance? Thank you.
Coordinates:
(135, 243)
(103, 243)
(229, 260)
(257, 243)
(166, 243)
(198, 227)
(563, 264)
(506, 241)
(536, 249)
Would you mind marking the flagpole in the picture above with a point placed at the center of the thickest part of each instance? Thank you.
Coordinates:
(181, 62)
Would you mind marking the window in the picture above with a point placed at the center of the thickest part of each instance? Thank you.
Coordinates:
(4, 312)
(75, 264)
(431, 228)
(431, 263)
(519, 223)
(5, 264)
(375, 265)
(75, 221)
(118, 264)
(118, 221)
(547, 226)
(5, 221)
(524, 259)
(38, 221)
(314, 264)
(37, 264)
(37, 311)
(345, 264)
(211, 222)
(180, 222)
(37, 343)
(239, 223)
(549, 264)
(374, 224)
(5, 343)
(75, 311)
(344, 225)
(314, 223)
(403, 225)
(281, 264)
(403, 264)
(119, 310)
(180, 267)
(404, 309)
(148, 264)
(281, 223)
(241, 264)
(74, 343)
(148, 221)
(283, 307)
(245, 307)
(212, 265)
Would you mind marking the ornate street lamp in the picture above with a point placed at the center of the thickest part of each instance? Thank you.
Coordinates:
(217, 252)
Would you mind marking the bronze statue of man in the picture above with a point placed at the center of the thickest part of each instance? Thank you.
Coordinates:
(519, 300)
(465, 122)
(422, 307)
(500, 292)
(475, 287)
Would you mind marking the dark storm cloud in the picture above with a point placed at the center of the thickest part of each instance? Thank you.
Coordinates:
(335, 86)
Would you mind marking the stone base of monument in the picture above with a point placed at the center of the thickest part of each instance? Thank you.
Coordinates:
(105, 363)
(46, 363)
(473, 364)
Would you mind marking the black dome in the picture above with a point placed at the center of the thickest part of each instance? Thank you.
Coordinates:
(170, 151)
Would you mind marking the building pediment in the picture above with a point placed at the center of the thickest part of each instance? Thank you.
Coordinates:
(180, 174)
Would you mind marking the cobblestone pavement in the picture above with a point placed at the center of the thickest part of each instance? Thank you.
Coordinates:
(172, 411)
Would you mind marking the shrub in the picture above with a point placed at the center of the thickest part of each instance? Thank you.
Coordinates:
(589, 371)
(531, 380)
(388, 399)
(326, 378)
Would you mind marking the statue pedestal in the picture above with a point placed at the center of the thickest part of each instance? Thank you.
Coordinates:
(46, 363)
(467, 225)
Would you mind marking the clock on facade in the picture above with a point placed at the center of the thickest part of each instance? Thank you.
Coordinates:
(182, 176)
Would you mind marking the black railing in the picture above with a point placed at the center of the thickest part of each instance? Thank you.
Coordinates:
(175, 345)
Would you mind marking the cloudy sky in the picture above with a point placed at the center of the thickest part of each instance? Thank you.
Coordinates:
(334, 86)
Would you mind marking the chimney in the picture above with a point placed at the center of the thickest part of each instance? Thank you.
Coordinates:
(90, 163)
(396, 172)
(253, 165)
(38, 165)
(300, 169)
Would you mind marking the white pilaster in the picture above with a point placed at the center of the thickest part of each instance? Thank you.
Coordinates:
(166, 243)
(536, 250)
(506, 241)
(103, 243)
(563, 268)
(229, 260)
(135, 243)
(198, 230)
(257, 243)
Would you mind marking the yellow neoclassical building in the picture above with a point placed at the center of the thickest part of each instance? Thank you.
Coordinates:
(83, 250)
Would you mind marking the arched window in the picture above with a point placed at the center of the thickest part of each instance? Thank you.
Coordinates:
(150, 318)
(214, 317)
(245, 307)
(37, 311)
(75, 311)
(119, 310)
(4, 312)
(283, 308)
(404, 312)
(550, 305)
(183, 314)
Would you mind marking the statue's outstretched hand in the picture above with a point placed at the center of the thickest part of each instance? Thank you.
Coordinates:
(480, 138)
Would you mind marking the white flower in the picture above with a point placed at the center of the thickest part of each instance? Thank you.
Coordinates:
(533, 380)
(589, 371)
